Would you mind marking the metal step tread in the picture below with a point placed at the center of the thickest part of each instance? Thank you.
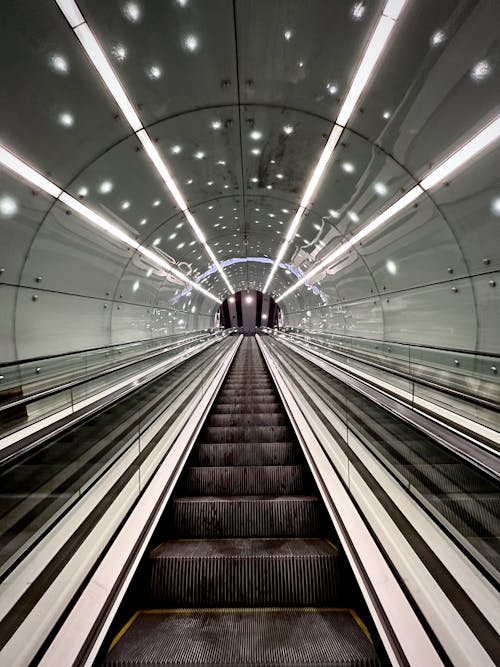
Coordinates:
(243, 573)
(245, 480)
(256, 637)
(258, 548)
(237, 418)
(214, 434)
(246, 516)
(247, 453)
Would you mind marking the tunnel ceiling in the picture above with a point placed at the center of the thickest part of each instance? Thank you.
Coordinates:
(239, 99)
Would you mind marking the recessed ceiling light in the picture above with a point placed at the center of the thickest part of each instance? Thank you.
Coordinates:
(331, 88)
(189, 181)
(285, 210)
(176, 149)
(191, 42)
(157, 241)
(386, 115)
(105, 187)
(255, 135)
(269, 187)
(348, 167)
(481, 70)
(83, 191)
(353, 216)
(358, 11)
(437, 38)
(132, 12)
(222, 163)
(216, 124)
(288, 129)
(199, 155)
(255, 151)
(66, 119)
(380, 188)
(143, 221)
(181, 245)
(154, 72)
(254, 180)
(495, 206)
(59, 63)
(210, 182)
(333, 214)
(8, 206)
(288, 35)
(391, 267)
(119, 52)
(280, 176)
(125, 205)
(156, 203)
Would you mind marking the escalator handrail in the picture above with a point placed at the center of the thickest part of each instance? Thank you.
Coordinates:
(475, 451)
(25, 444)
(492, 405)
(134, 343)
(96, 375)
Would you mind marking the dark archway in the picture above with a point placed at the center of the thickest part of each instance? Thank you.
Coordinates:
(249, 309)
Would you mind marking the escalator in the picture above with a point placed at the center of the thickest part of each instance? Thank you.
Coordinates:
(37, 487)
(246, 571)
(461, 497)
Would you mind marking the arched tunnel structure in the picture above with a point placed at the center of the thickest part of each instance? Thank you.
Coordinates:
(339, 161)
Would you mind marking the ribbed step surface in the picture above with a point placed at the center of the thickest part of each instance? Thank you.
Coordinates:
(254, 407)
(243, 434)
(247, 516)
(290, 638)
(247, 453)
(244, 480)
(249, 573)
(243, 419)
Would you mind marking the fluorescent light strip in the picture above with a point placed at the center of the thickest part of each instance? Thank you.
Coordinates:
(29, 174)
(21, 168)
(364, 71)
(94, 51)
(478, 143)
(444, 170)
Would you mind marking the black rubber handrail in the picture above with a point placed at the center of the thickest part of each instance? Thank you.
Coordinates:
(75, 383)
(466, 445)
(492, 405)
(421, 346)
(30, 360)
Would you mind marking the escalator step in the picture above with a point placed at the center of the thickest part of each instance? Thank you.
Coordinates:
(243, 573)
(249, 390)
(246, 516)
(247, 453)
(237, 418)
(256, 637)
(265, 407)
(242, 434)
(245, 480)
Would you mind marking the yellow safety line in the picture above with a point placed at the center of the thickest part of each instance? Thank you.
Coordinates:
(361, 624)
(239, 610)
(127, 625)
